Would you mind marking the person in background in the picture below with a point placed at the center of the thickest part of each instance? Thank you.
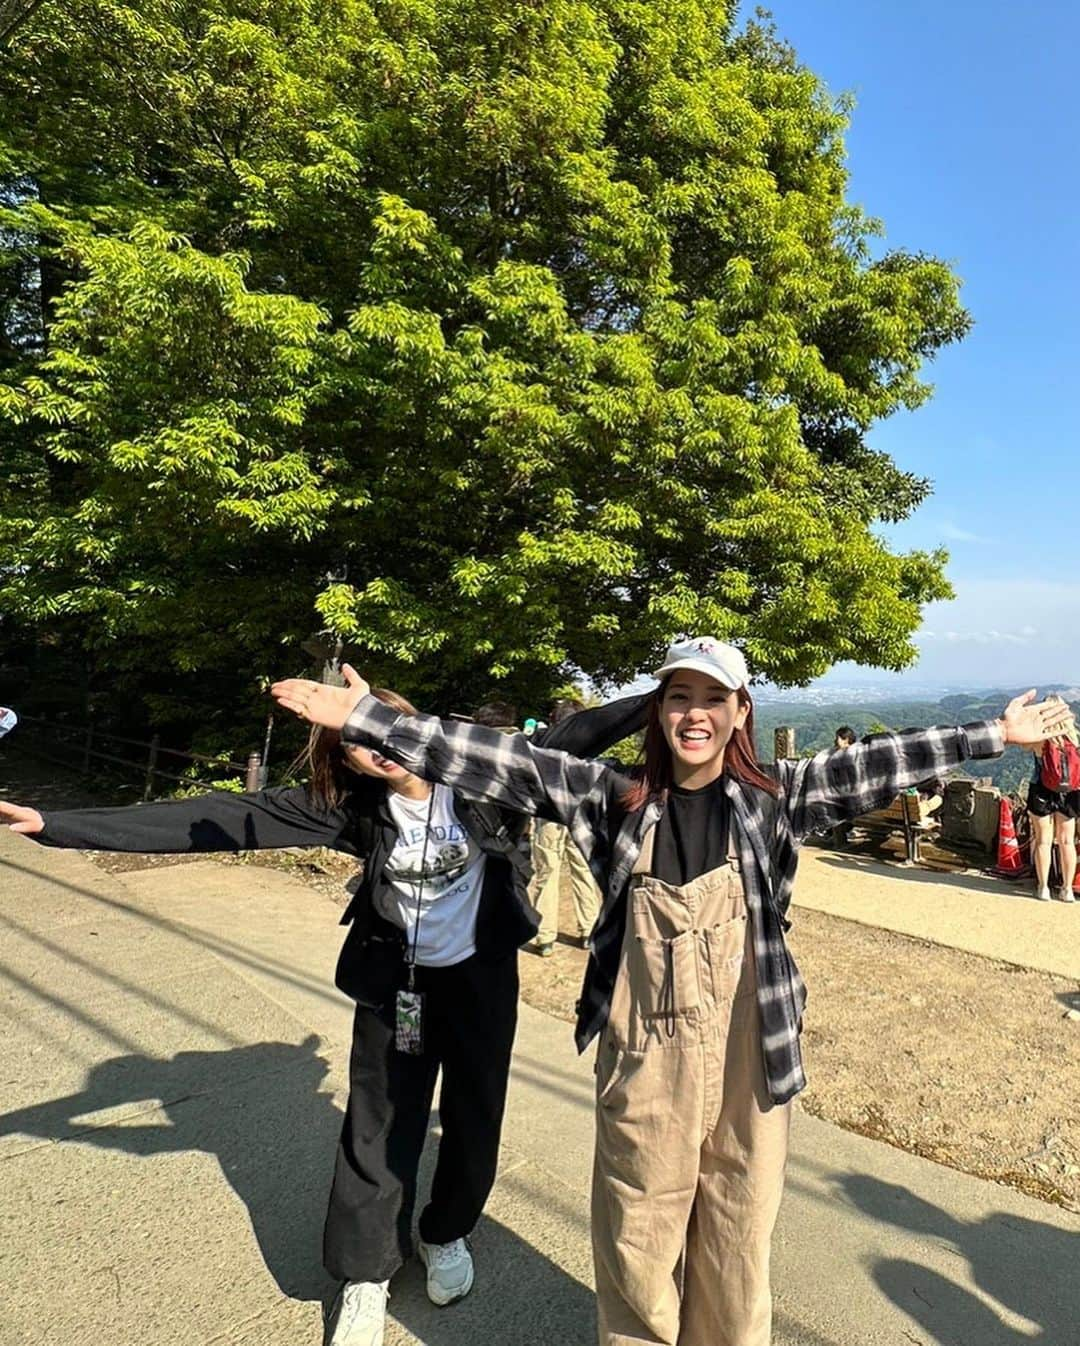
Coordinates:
(8, 720)
(838, 835)
(552, 844)
(497, 715)
(1053, 808)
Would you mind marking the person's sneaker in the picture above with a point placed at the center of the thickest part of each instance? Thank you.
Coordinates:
(1066, 895)
(545, 950)
(1042, 894)
(449, 1270)
(358, 1316)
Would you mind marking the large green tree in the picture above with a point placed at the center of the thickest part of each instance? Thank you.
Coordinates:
(502, 339)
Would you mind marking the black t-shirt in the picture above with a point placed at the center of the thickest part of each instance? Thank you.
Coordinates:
(692, 835)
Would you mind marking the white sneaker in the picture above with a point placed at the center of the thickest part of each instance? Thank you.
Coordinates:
(1066, 895)
(358, 1317)
(1042, 894)
(449, 1270)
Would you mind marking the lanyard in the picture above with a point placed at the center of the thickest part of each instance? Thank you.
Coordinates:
(410, 958)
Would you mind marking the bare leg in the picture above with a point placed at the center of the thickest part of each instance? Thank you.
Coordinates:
(1042, 839)
(1066, 840)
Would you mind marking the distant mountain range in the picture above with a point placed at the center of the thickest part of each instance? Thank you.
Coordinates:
(898, 690)
(815, 722)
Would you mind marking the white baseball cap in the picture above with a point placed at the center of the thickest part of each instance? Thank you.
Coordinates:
(705, 654)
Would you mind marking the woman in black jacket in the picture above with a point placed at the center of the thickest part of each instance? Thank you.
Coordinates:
(431, 961)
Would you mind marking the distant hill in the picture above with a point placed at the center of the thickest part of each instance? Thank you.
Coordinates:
(815, 725)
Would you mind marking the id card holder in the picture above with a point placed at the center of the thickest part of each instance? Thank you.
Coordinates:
(409, 1022)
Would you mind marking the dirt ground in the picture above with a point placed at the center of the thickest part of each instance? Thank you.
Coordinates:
(963, 1060)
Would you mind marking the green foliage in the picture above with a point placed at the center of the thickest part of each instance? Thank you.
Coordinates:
(627, 750)
(504, 341)
(229, 784)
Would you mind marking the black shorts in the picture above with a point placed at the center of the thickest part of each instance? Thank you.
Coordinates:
(1042, 802)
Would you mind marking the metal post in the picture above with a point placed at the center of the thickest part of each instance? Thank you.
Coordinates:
(264, 770)
(254, 771)
(151, 763)
(910, 849)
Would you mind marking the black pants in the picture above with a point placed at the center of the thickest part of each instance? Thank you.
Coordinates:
(470, 1014)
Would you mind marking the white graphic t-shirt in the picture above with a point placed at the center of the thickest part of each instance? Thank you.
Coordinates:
(453, 875)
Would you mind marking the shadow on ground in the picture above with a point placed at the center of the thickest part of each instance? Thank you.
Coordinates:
(1024, 1272)
(259, 1110)
(262, 1112)
(855, 860)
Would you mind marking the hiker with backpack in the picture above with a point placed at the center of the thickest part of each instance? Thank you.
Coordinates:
(1054, 805)
(437, 919)
(690, 984)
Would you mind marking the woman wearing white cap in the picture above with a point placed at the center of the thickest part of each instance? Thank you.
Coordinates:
(690, 982)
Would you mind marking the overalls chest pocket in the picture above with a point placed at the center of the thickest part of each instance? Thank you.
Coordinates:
(664, 975)
(686, 946)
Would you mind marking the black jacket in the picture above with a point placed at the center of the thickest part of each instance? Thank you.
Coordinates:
(362, 826)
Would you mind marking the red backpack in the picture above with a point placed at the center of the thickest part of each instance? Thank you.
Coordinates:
(1060, 770)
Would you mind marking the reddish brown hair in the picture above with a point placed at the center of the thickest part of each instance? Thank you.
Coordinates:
(328, 772)
(654, 775)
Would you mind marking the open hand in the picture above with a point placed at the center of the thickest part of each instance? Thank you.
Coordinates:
(1027, 725)
(318, 702)
(28, 821)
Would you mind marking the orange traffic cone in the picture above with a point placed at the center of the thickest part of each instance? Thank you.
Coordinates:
(1008, 855)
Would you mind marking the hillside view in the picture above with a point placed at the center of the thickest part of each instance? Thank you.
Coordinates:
(815, 725)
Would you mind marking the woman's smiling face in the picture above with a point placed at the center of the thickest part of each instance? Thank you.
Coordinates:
(369, 763)
(698, 716)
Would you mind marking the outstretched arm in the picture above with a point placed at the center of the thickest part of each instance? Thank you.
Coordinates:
(591, 732)
(838, 785)
(481, 763)
(220, 821)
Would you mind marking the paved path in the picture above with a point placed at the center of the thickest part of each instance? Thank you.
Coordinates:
(990, 917)
(172, 1055)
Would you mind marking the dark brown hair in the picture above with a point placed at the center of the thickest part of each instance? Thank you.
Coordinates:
(496, 715)
(328, 772)
(654, 775)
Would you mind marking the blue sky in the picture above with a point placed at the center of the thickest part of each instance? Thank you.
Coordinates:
(964, 142)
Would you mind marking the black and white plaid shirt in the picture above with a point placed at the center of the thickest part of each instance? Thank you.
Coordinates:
(815, 793)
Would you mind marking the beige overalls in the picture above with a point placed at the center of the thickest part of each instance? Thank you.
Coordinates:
(690, 1151)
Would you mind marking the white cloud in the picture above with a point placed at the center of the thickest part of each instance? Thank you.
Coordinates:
(1022, 637)
(1003, 631)
(952, 532)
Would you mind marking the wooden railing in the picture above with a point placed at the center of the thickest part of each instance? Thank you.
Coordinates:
(73, 747)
